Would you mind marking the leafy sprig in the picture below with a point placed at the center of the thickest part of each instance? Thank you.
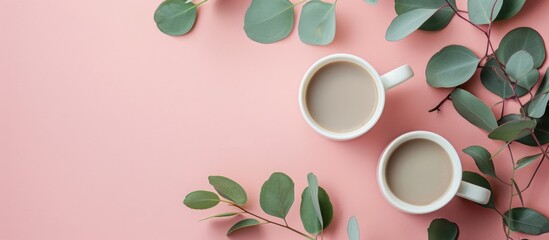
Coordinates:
(276, 199)
(510, 72)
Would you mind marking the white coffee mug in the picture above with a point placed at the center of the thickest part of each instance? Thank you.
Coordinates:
(457, 187)
(382, 83)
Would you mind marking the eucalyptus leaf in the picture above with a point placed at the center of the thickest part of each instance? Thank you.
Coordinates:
(520, 64)
(438, 21)
(317, 24)
(405, 24)
(277, 195)
(373, 2)
(526, 220)
(201, 200)
(308, 213)
(483, 11)
(492, 77)
(175, 17)
(442, 229)
(313, 188)
(477, 179)
(525, 161)
(517, 189)
(523, 38)
(229, 189)
(538, 105)
(529, 80)
(451, 67)
(269, 21)
(483, 159)
(513, 130)
(353, 230)
(473, 110)
(220, 215)
(510, 8)
(249, 222)
(541, 131)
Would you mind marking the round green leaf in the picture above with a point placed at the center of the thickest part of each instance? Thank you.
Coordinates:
(201, 200)
(510, 8)
(308, 213)
(525, 161)
(353, 230)
(523, 38)
(451, 67)
(317, 24)
(373, 2)
(220, 215)
(229, 189)
(526, 220)
(442, 229)
(473, 110)
(405, 24)
(277, 195)
(483, 159)
(250, 222)
(483, 11)
(175, 17)
(477, 179)
(438, 21)
(538, 105)
(520, 64)
(493, 79)
(513, 130)
(269, 21)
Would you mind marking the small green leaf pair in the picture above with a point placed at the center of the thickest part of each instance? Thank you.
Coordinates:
(269, 21)
(225, 187)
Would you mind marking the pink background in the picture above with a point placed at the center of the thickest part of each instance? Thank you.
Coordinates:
(106, 123)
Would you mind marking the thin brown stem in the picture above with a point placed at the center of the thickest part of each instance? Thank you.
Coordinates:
(275, 223)
(467, 20)
(540, 162)
(439, 105)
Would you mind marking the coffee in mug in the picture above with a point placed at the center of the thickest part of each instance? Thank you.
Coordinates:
(342, 96)
(420, 172)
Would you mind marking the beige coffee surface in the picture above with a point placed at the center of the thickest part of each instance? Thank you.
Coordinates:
(419, 172)
(341, 97)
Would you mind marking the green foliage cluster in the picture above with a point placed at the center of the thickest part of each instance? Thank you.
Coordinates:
(509, 71)
(276, 199)
(266, 21)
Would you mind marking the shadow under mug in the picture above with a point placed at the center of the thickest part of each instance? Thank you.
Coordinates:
(457, 187)
(382, 84)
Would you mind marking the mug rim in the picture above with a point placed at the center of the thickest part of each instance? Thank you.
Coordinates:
(341, 57)
(441, 201)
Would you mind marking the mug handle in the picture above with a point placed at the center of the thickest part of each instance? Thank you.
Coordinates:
(474, 193)
(396, 76)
